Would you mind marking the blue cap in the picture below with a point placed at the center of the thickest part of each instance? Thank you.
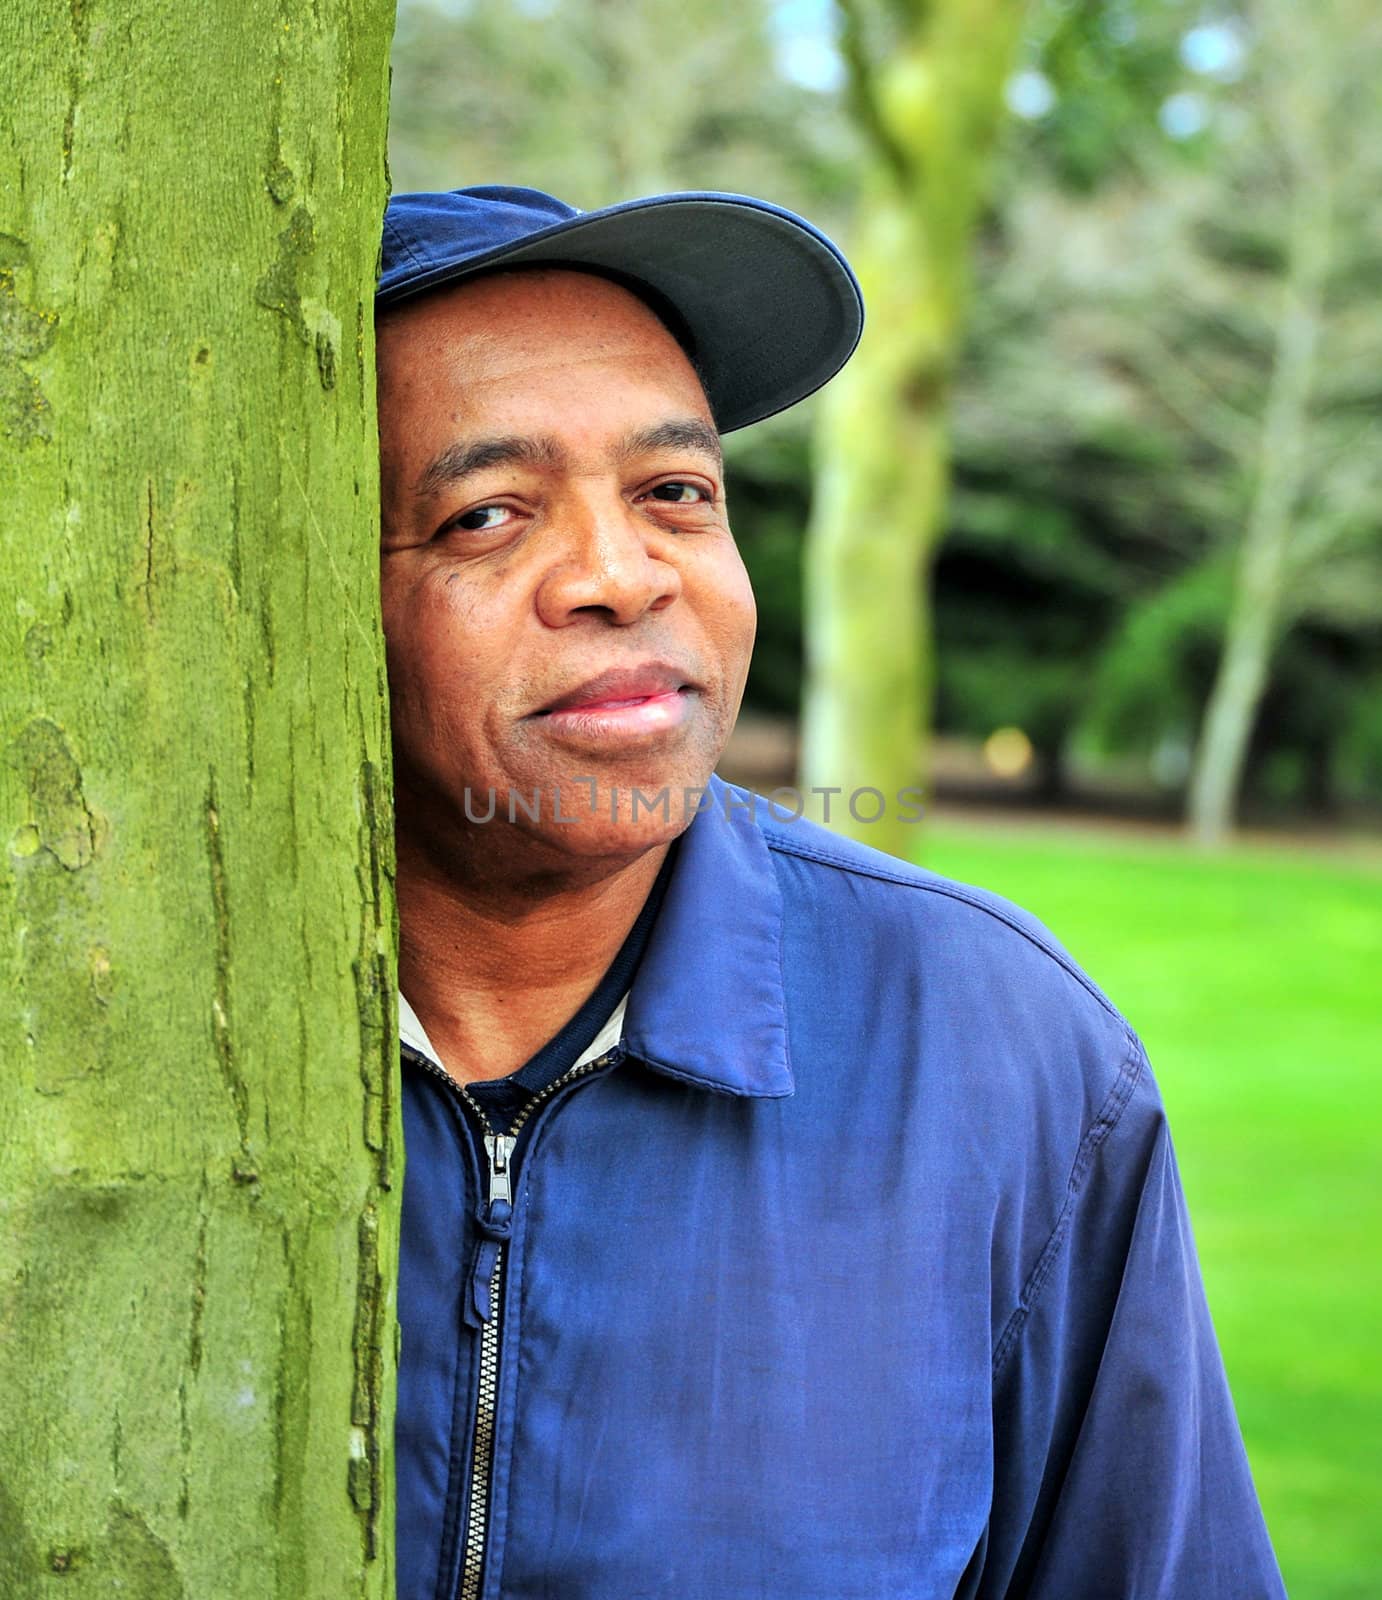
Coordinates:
(766, 305)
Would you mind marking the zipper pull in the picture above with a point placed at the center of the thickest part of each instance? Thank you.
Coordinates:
(494, 1226)
(499, 1148)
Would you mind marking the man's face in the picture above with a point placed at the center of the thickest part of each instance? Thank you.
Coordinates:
(565, 610)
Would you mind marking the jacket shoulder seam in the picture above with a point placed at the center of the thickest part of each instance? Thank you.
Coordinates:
(951, 891)
(1109, 1114)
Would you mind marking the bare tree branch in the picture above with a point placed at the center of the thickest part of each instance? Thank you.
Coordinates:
(1195, 403)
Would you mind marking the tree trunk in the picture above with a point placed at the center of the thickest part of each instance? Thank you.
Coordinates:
(1258, 609)
(930, 112)
(199, 1152)
(876, 513)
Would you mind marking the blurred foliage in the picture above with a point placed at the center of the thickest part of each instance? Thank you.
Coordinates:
(1141, 298)
(598, 100)
(1107, 413)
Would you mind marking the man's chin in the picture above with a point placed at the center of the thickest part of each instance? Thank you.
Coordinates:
(515, 827)
(596, 818)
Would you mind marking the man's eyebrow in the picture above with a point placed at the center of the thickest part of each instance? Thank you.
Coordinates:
(464, 457)
(459, 460)
(682, 433)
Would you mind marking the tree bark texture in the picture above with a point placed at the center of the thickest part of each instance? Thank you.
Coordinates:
(199, 1146)
(930, 107)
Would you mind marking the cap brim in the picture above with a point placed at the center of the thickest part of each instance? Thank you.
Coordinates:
(770, 302)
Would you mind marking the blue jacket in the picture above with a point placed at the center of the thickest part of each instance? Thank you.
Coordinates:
(860, 1270)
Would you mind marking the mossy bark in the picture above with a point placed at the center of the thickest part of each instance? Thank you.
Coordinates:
(929, 105)
(199, 1150)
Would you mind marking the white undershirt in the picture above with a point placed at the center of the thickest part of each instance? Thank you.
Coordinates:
(412, 1032)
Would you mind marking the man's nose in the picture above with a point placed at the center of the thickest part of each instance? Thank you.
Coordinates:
(609, 564)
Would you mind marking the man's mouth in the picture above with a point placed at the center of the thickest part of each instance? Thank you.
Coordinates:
(625, 702)
(620, 688)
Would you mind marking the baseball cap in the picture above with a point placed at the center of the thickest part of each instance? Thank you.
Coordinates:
(765, 304)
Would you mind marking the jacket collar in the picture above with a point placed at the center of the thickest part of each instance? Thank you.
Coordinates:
(707, 1006)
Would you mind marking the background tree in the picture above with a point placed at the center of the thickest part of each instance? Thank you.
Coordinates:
(1063, 510)
(926, 80)
(1128, 377)
(1313, 474)
(198, 1141)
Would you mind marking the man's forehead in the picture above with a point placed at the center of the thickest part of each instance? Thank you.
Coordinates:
(520, 324)
(518, 303)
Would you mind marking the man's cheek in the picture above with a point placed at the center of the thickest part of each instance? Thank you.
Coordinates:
(733, 603)
(734, 631)
(428, 700)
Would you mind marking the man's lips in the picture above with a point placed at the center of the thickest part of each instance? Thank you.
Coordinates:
(626, 706)
(620, 688)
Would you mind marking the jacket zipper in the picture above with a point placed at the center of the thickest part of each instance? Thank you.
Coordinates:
(484, 1298)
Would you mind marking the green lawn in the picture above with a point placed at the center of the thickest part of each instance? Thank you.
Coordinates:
(1255, 980)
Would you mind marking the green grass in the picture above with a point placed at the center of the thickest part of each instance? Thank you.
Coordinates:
(1255, 980)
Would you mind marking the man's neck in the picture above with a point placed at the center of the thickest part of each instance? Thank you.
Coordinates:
(495, 970)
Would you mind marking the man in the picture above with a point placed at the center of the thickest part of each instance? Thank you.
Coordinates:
(780, 1220)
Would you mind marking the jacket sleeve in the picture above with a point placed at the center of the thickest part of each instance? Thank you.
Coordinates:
(1119, 1468)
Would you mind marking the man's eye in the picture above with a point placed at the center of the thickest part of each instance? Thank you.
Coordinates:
(479, 520)
(683, 494)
